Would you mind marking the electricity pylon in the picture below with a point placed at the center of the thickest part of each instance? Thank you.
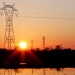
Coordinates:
(32, 44)
(43, 42)
(9, 39)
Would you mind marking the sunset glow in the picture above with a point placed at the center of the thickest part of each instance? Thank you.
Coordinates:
(23, 45)
(53, 19)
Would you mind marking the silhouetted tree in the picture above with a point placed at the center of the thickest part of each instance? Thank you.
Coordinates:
(58, 47)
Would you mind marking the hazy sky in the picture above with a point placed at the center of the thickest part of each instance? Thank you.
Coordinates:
(57, 24)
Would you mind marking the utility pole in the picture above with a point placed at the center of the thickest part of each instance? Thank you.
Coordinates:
(9, 39)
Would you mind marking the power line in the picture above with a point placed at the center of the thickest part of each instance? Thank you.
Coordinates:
(47, 13)
(48, 4)
(48, 18)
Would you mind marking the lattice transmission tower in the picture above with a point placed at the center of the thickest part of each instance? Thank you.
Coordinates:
(43, 42)
(32, 44)
(9, 39)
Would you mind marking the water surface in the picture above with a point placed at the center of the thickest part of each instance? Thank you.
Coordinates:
(41, 71)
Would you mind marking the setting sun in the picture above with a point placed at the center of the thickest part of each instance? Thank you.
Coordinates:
(23, 45)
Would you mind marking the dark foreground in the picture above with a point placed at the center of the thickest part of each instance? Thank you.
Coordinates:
(37, 58)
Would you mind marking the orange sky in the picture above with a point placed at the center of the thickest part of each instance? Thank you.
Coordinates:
(56, 31)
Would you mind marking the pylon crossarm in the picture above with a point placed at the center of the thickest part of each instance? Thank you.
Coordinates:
(2, 8)
(15, 9)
